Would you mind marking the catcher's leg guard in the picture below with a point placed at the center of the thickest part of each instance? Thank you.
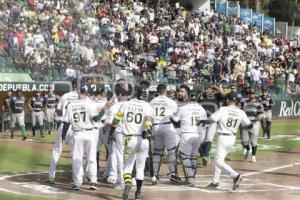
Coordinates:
(187, 167)
(171, 160)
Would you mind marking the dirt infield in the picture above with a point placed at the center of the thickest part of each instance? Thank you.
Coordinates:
(276, 175)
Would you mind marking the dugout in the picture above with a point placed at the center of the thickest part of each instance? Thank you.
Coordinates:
(28, 88)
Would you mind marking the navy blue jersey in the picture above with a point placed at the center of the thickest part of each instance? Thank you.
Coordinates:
(253, 109)
(50, 100)
(266, 101)
(17, 104)
(37, 103)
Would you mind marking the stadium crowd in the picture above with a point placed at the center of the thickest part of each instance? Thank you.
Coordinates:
(162, 43)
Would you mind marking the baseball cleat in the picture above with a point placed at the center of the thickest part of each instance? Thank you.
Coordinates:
(24, 138)
(126, 191)
(154, 180)
(138, 195)
(111, 180)
(119, 185)
(254, 159)
(94, 186)
(51, 180)
(212, 185)
(236, 182)
(246, 154)
(191, 184)
(175, 179)
(205, 161)
(75, 188)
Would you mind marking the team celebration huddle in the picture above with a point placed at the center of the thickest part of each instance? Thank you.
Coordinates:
(138, 125)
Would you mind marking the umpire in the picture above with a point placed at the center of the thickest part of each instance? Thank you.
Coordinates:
(36, 105)
(17, 105)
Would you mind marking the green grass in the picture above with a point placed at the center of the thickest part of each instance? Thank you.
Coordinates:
(19, 160)
(8, 196)
(50, 139)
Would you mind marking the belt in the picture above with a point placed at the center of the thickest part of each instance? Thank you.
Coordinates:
(226, 134)
(162, 123)
(85, 129)
(37, 110)
(132, 135)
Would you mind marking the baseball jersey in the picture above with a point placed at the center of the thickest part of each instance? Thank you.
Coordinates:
(79, 114)
(229, 119)
(99, 104)
(6, 103)
(266, 101)
(37, 103)
(50, 100)
(164, 107)
(111, 114)
(65, 100)
(189, 115)
(17, 104)
(135, 111)
(253, 109)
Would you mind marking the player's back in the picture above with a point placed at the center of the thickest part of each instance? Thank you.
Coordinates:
(164, 107)
(229, 119)
(189, 115)
(66, 99)
(80, 113)
(135, 111)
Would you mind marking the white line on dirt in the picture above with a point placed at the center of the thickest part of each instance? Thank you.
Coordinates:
(270, 169)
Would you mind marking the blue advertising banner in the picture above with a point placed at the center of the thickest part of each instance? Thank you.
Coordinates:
(257, 19)
(233, 11)
(269, 25)
(221, 6)
(246, 15)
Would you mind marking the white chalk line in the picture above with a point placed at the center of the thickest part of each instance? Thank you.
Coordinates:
(185, 188)
(270, 169)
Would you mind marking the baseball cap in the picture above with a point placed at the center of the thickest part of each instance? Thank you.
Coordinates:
(84, 89)
(232, 96)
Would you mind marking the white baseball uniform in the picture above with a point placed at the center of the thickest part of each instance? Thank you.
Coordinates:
(79, 115)
(117, 164)
(102, 135)
(189, 115)
(228, 119)
(135, 147)
(57, 148)
(163, 131)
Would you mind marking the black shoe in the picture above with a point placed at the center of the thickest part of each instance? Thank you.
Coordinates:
(138, 196)
(42, 135)
(126, 191)
(24, 138)
(75, 188)
(175, 179)
(212, 185)
(11, 137)
(94, 186)
(236, 182)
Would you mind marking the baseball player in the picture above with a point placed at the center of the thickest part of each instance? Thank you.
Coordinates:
(163, 131)
(81, 115)
(102, 136)
(50, 104)
(17, 105)
(255, 112)
(210, 103)
(228, 119)
(268, 104)
(6, 109)
(65, 100)
(36, 105)
(115, 177)
(136, 117)
(188, 115)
